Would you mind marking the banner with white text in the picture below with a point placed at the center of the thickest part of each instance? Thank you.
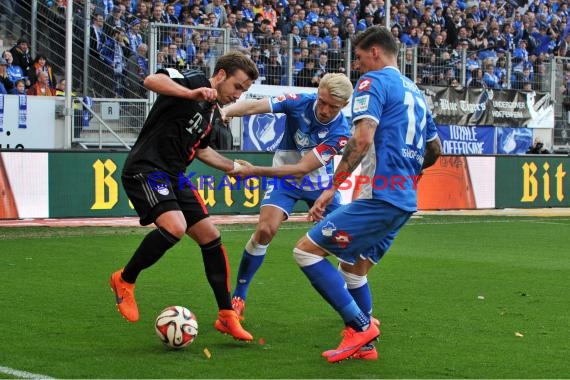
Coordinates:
(482, 106)
(463, 140)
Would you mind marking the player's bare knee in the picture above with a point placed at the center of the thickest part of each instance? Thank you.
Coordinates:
(265, 233)
(304, 244)
(175, 229)
(203, 232)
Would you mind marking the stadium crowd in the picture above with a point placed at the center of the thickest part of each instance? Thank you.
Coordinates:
(506, 43)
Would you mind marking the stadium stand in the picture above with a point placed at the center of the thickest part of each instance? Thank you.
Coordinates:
(504, 44)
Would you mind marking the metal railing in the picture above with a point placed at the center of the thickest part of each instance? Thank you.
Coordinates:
(105, 122)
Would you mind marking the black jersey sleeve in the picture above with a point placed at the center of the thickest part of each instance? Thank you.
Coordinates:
(188, 78)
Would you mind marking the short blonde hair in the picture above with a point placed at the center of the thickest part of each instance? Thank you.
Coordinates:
(338, 85)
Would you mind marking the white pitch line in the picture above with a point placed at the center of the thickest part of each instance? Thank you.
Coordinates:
(22, 374)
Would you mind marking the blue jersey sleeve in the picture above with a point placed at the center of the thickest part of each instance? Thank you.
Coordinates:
(284, 103)
(368, 100)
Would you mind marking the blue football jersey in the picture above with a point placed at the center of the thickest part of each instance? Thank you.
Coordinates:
(304, 133)
(405, 124)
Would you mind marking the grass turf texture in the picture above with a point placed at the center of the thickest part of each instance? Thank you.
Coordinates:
(452, 293)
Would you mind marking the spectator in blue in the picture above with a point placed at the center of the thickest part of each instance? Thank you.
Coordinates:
(287, 28)
(315, 37)
(518, 78)
(134, 35)
(438, 17)
(501, 69)
(282, 15)
(114, 20)
(249, 35)
(366, 22)
(14, 72)
(329, 12)
(180, 7)
(490, 80)
(547, 42)
(114, 55)
(195, 15)
(6, 84)
(520, 55)
(301, 23)
(417, 10)
(19, 87)
(314, 14)
(410, 37)
(334, 35)
(247, 10)
(297, 62)
(260, 62)
(337, 7)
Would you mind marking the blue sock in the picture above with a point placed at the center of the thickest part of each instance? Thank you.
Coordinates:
(251, 259)
(363, 298)
(331, 286)
(247, 268)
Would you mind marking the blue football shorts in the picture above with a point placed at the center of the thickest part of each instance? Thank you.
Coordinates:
(365, 229)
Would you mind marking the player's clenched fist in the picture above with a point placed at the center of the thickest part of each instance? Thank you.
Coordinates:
(204, 93)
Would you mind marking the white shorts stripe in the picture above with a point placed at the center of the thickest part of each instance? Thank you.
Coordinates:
(150, 196)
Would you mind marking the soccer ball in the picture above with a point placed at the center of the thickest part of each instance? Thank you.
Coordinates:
(176, 326)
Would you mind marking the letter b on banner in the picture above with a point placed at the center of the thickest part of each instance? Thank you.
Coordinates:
(106, 187)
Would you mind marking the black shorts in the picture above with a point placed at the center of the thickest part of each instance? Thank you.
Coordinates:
(152, 195)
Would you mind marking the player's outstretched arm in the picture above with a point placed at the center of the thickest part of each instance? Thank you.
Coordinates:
(246, 107)
(308, 163)
(212, 158)
(162, 84)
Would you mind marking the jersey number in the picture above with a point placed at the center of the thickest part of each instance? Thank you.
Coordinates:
(416, 110)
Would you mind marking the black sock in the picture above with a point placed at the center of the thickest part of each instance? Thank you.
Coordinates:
(218, 272)
(151, 249)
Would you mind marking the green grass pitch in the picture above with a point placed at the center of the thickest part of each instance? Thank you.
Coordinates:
(459, 297)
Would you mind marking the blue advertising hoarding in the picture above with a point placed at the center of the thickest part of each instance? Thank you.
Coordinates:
(462, 140)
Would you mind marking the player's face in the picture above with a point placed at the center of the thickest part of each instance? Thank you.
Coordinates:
(367, 60)
(231, 87)
(327, 106)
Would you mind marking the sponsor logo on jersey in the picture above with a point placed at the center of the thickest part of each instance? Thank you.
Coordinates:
(322, 133)
(364, 85)
(195, 124)
(302, 139)
(342, 141)
(279, 99)
(328, 229)
(293, 96)
(342, 239)
(360, 103)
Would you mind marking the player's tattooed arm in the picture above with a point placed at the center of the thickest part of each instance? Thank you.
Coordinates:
(355, 149)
